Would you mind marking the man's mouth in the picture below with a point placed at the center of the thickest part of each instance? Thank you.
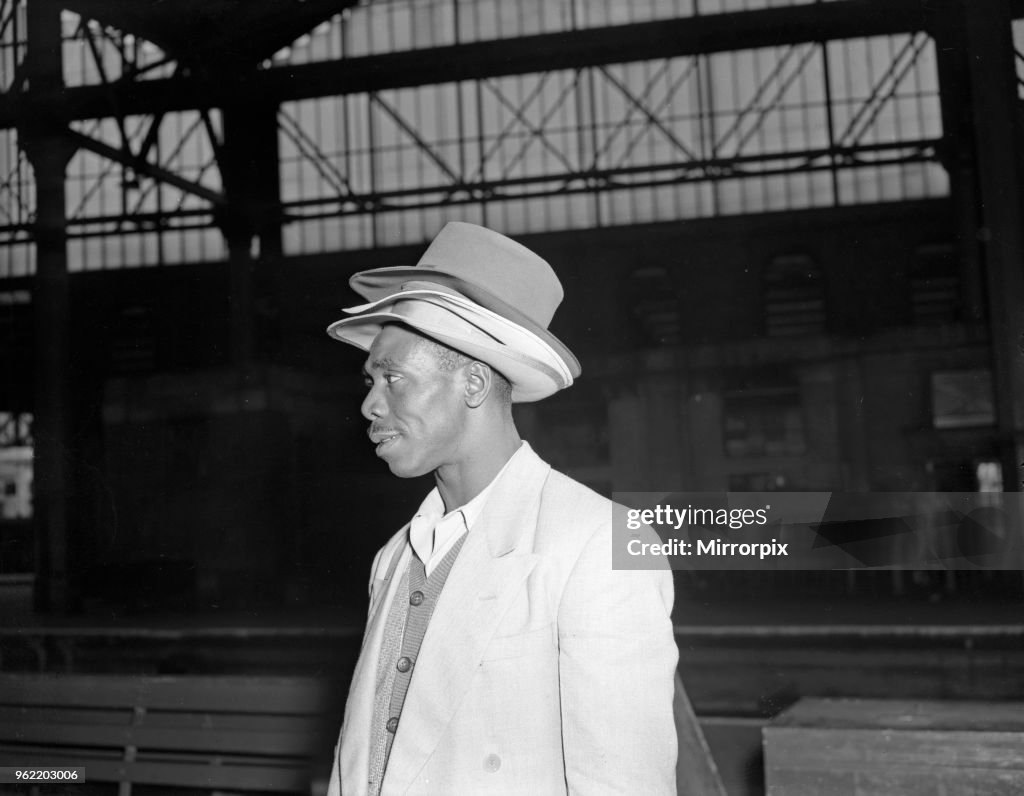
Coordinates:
(383, 439)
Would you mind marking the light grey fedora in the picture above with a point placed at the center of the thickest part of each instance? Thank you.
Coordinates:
(479, 292)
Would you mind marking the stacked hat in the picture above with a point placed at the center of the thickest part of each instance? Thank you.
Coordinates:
(478, 292)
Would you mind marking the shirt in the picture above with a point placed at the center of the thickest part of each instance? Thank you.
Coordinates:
(432, 535)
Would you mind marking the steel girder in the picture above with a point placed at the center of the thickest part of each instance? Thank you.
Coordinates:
(645, 118)
(590, 55)
(482, 60)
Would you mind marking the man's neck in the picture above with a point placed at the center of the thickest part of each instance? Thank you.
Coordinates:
(460, 482)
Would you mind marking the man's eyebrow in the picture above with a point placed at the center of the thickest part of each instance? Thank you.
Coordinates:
(379, 364)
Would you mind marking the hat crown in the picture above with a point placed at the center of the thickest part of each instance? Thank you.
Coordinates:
(497, 264)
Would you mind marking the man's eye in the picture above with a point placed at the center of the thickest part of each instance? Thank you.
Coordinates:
(390, 378)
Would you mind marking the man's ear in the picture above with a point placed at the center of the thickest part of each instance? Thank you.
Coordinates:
(479, 382)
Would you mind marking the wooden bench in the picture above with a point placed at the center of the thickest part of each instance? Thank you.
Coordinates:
(197, 732)
(882, 747)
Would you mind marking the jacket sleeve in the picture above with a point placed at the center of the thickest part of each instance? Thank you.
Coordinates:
(617, 661)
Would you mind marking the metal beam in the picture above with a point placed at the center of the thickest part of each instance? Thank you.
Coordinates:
(223, 34)
(1001, 202)
(595, 180)
(480, 60)
(144, 167)
(53, 456)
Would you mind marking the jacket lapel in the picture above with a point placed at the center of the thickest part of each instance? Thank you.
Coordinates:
(481, 586)
(355, 736)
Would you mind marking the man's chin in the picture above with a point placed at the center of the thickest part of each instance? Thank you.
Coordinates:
(406, 469)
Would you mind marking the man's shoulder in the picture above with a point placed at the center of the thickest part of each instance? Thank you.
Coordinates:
(571, 513)
(575, 513)
(562, 492)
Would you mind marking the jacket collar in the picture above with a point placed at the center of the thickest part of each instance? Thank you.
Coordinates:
(505, 509)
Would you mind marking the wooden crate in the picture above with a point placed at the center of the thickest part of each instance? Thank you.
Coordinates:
(881, 747)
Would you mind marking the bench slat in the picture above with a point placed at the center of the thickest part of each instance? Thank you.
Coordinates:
(188, 774)
(264, 695)
(211, 741)
(12, 717)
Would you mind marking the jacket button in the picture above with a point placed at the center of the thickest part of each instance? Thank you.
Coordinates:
(392, 724)
(404, 664)
(416, 598)
(492, 763)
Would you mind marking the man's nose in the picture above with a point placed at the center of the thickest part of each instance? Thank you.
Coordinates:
(373, 405)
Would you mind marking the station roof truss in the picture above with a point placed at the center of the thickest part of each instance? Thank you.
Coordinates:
(476, 122)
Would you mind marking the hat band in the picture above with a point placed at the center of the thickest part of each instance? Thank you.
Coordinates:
(467, 317)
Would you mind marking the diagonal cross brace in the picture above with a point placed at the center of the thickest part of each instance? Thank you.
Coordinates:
(410, 131)
(145, 167)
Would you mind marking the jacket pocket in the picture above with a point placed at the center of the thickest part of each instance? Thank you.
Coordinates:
(520, 644)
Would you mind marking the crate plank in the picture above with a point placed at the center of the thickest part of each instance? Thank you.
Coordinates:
(858, 747)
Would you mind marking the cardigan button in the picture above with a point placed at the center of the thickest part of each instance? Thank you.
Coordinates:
(404, 664)
(416, 598)
(392, 724)
(492, 763)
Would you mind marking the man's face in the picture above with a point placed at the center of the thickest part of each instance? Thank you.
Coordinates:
(415, 408)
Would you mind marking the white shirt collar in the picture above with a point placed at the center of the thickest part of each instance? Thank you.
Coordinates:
(432, 535)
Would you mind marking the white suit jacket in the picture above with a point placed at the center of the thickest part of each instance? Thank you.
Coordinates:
(543, 670)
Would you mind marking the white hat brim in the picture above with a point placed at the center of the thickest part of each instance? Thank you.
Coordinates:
(532, 367)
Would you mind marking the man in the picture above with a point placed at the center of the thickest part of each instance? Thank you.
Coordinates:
(502, 654)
